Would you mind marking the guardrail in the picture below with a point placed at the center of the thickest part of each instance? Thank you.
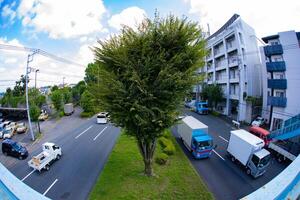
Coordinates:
(286, 185)
(16, 188)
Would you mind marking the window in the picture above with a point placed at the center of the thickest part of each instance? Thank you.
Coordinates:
(279, 94)
(255, 159)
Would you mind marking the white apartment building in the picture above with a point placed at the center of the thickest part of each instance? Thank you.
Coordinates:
(281, 77)
(234, 63)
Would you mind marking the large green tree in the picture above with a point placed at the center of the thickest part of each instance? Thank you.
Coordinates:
(213, 94)
(143, 76)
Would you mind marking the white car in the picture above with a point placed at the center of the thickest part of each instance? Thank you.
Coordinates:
(102, 118)
(258, 121)
(21, 128)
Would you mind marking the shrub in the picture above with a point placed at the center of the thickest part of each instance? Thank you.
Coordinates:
(61, 114)
(166, 134)
(161, 159)
(170, 149)
(163, 142)
(86, 114)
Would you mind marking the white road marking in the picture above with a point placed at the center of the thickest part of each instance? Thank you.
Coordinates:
(83, 132)
(223, 138)
(50, 187)
(23, 179)
(100, 133)
(218, 154)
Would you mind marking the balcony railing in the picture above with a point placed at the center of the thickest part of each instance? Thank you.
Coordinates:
(277, 84)
(276, 66)
(273, 50)
(277, 101)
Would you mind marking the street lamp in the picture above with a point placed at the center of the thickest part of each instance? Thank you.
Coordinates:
(36, 71)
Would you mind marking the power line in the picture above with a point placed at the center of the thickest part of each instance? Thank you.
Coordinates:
(41, 52)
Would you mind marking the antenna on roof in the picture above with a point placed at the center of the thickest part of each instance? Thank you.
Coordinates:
(208, 30)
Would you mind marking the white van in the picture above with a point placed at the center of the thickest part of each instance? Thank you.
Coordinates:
(102, 118)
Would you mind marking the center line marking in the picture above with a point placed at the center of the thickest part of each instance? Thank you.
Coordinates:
(218, 154)
(100, 133)
(50, 187)
(83, 132)
(28, 175)
(223, 138)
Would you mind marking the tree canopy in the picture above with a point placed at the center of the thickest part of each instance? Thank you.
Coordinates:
(144, 76)
(213, 94)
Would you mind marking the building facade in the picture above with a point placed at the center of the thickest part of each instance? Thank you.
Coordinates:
(281, 77)
(233, 62)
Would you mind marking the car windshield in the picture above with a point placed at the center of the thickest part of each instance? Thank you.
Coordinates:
(204, 105)
(16, 146)
(265, 160)
(100, 116)
(204, 144)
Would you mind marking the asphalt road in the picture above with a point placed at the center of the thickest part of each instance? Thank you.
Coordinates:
(225, 179)
(85, 151)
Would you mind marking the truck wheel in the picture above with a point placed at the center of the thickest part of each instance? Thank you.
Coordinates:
(58, 157)
(232, 159)
(47, 167)
(280, 159)
(5, 153)
(248, 171)
(20, 157)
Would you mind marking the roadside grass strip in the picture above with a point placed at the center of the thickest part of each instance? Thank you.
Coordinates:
(122, 177)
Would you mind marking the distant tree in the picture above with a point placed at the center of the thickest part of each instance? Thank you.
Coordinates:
(78, 90)
(19, 89)
(35, 112)
(67, 95)
(87, 102)
(213, 94)
(144, 75)
(55, 87)
(57, 99)
(91, 73)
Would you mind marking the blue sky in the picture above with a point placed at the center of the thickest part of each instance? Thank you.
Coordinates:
(68, 28)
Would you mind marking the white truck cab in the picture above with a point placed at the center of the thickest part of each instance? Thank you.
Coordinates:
(51, 152)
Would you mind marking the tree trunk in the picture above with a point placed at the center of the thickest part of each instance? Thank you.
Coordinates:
(147, 149)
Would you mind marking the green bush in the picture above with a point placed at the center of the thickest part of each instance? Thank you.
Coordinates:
(170, 149)
(86, 114)
(215, 113)
(161, 158)
(166, 134)
(163, 142)
(61, 114)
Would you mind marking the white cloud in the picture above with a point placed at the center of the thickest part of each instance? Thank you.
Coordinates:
(7, 11)
(131, 17)
(13, 63)
(266, 17)
(62, 19)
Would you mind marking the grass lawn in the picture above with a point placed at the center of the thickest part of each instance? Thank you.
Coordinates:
(122, 177)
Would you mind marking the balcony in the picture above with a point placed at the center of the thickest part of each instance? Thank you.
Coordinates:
(273, 50)
(277, 101)
(220, 65)
(276, 66)
(277, 84)
(233, 61)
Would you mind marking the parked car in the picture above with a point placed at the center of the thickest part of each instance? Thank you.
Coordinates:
(102, 118)
(259, 121)
(12, 148)
(21, 128)
(43, 116)
(6, 133)
(12, 126)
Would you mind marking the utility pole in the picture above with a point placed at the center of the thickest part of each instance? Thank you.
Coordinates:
(37, 70)
(28, 70)
(64, 82)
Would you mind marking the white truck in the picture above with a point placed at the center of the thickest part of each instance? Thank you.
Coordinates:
(248, 150)
(195, 137)
(51, 152)
(68, 109)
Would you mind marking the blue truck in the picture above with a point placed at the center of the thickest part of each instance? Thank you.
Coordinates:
(195, 137)
(201, 107)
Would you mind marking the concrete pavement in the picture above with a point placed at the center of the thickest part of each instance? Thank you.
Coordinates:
(226, 180)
